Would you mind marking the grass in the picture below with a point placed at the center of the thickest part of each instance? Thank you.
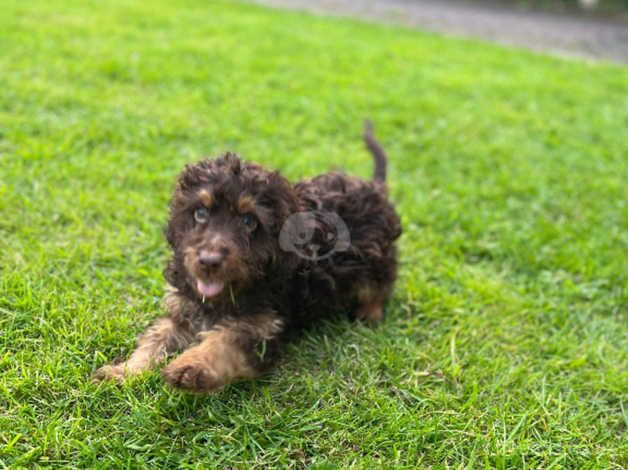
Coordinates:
(505, 344)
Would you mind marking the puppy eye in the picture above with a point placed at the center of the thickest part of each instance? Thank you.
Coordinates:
(201, 214)
(249, 220)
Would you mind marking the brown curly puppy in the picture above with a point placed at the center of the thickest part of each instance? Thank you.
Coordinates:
(255, 258)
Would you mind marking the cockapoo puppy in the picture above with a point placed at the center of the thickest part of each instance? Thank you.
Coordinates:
(255, 258)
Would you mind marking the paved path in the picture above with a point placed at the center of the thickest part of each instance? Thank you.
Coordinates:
(562, 34)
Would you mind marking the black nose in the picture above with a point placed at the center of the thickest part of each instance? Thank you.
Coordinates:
(210, 259)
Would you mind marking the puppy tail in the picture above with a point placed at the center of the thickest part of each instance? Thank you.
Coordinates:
(379, 175)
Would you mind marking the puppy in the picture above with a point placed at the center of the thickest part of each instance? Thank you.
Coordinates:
(255, 258)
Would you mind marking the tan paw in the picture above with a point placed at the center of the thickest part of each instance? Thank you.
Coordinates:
(193, 376)
(370, 313)
(116, 373)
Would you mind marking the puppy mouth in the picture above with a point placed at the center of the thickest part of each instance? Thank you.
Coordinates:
(209, 289)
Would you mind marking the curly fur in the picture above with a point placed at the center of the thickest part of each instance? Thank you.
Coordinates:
(259, 292)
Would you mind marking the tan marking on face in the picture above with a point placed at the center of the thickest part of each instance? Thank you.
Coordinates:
(246, 203)
(206, 198)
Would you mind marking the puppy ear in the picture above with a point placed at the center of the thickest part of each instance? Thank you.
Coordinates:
(277, 194)
(173, 228)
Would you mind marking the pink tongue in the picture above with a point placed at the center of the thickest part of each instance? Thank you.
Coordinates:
(209, 289)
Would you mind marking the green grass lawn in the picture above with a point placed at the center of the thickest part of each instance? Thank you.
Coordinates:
(505, 344)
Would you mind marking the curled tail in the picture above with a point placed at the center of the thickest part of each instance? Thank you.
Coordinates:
(379, 175)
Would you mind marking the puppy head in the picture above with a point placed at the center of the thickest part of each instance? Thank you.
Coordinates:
(225, 219)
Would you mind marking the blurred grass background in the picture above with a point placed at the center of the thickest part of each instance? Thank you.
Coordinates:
(505, 343)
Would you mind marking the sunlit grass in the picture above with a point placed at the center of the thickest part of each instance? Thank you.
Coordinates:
(505, 343)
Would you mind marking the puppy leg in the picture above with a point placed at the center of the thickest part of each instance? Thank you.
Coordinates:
(163, 338)
(235, 349)
(370, 312)
(371, 300)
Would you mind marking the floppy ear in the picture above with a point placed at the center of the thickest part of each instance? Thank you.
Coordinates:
(172, 234)
(279, 195)
(179, 218)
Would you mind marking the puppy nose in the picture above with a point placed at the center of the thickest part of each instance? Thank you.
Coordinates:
(210, 259)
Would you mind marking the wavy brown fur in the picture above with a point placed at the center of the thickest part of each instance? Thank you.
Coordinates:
(226, 216)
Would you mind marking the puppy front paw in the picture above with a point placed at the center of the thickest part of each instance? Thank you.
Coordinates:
(116, 373)
(193, 375)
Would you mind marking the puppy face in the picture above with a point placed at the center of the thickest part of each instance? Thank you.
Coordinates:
(225, 218)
